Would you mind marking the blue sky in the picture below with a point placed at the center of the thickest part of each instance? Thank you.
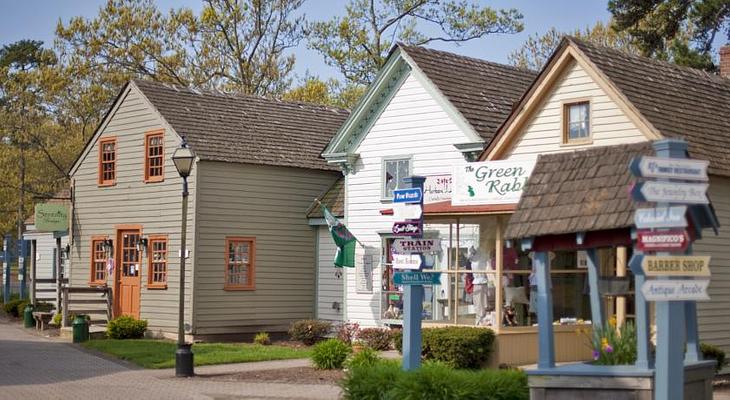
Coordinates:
(37, 19)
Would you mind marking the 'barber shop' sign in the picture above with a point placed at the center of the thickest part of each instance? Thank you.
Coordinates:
(491, 182)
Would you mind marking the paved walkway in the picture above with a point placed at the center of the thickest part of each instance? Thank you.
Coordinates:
(34, 367)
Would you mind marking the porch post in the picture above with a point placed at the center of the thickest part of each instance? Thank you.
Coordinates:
(597, 317)
(544, 311)
(33, 272)
(642, 315)
(6, 269)
(692, 353)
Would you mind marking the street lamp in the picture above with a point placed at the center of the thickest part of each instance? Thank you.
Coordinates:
(183, 157)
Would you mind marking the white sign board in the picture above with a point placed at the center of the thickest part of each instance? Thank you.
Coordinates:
(411, 246)
(661, 217)
(672, 168)
(687, 193)
(437, 188)
(491, 182)
(406, 261)
(676, 290)
(404, 211)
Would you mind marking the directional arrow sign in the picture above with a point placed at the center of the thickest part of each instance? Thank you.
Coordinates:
(668, 192)
(676, 265)
(414, 195)
(670, 168)
(676, 290)
(407, 261)
(661, 217)
(671, 240)
(404, 211)
(408, 228)
(416, 278)
(410, 246)
(635, 263)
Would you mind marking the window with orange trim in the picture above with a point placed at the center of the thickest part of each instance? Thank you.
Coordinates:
(157, 274)
(240, 263)
(98, 262)
(107, 161)
(154, 156)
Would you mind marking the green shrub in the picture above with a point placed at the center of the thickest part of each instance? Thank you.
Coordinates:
(330, 354)
(309, 331)
(347, 331)
(457, 346)
(126, 327)
(711, 352)
(376, 338)
(20, 308)
(11, 307)
(386, 380)
(366, 357)
(43, 307)
(262, 338)
(614, 347)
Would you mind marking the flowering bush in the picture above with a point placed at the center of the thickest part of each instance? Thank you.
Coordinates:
(611, 346)
(348, 331)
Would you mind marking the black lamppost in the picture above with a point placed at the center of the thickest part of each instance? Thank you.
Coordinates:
(183, 157)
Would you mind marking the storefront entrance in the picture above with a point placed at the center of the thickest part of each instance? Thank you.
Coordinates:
(127, 274)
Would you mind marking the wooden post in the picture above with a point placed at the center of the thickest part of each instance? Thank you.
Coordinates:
(643, 330)
(64, 307)
(109, 304)
(620, 300)
(58, 274)
(544, 311)
(693, 353)
(33, 252)
(498, 291)
(597, 312)
(6, 268)
(455, 295)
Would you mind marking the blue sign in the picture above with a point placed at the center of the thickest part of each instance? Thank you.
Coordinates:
(417, 278)
(670, 168)
(413, 195)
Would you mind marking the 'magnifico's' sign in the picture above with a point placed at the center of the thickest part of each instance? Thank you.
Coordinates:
(491, 182)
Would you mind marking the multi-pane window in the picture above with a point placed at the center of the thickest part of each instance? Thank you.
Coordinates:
(154, 156)
(240, 263)
(107, 161)
(158, 262)
(394, 173)
(98, 262)
(577, 125)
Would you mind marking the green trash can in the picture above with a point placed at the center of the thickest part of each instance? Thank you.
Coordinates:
(28, 321)
(80, 329)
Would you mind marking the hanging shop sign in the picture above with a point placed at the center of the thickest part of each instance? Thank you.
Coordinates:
(417, 278)
(403, 211)
(676, 290)
(670, 168)
(408, 228)
(491, 182)
(51, 217)
(437, 188)
(669, 240)
(671, 192)
(407, 261)
(412, 195)
(661, 217)
(416, 246)
(675, 265)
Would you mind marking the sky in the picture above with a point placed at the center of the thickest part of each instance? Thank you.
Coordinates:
(37, 19)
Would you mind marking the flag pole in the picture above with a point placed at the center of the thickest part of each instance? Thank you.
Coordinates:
(322, 205)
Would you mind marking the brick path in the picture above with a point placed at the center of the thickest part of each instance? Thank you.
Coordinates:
(33, 367)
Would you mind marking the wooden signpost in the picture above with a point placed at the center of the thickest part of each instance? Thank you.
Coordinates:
(661, 217)
(676, 290)
(669, 240)
(674, 265)
(669, 192)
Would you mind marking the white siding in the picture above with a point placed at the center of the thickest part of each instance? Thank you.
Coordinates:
(543, 133)
(412, 124)
(45, 246)
(329, 286)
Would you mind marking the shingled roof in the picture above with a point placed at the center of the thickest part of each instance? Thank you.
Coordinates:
(333, 199)
(680, 102)
(482, 91)
(247, 129)
(577, 191)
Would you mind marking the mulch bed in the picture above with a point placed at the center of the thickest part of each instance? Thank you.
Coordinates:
(298, 375)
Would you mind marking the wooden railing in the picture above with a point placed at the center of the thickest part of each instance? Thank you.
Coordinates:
(105, 300)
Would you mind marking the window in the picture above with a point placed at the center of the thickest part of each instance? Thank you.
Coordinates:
(154, 156)
(394, 173)
(576, 122)
(107, 161)
(157, 254)
(240, 263)
(99, 259)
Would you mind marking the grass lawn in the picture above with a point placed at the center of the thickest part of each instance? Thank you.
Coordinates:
(161, 353)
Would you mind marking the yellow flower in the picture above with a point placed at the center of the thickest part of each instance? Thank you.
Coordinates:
(604, 342)
(612, 321)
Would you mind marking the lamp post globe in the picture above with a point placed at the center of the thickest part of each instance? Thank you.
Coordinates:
(184, 159)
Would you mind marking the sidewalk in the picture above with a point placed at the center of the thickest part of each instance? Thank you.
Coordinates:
(34, 367)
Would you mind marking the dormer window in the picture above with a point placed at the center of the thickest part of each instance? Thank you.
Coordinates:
(576, 122)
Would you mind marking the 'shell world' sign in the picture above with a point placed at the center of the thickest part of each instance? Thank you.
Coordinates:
(671, 240)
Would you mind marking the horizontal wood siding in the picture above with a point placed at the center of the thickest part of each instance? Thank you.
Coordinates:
(154, 206)
(329, 286)
(412, 124)
(543, 133)
(270, 204)
(714, 316)
(45, 246)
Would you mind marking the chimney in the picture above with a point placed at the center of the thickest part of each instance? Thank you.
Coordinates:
(725, 61)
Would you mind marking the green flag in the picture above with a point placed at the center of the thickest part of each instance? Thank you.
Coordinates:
(344, 240)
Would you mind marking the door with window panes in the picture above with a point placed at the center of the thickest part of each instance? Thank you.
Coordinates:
(127, 296)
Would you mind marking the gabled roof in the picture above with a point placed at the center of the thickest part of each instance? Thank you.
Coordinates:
(246, 129)
(333, 199)
(483, 92)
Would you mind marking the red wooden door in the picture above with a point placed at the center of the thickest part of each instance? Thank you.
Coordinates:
(128, 273)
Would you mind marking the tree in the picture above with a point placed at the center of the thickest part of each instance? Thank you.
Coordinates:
(657, 24)
(331, 93)
(358, 43)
